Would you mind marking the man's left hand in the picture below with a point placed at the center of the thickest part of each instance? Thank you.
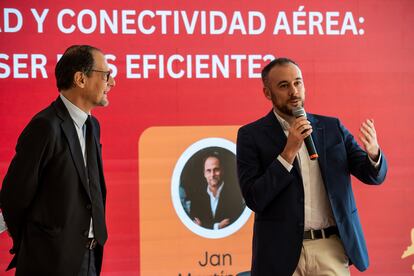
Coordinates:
(368, 137)
(224, 223)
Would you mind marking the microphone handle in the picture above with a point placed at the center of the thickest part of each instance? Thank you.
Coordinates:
(310, 146)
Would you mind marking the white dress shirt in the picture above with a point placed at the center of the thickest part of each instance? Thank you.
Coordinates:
(318, 211)
(214, 200)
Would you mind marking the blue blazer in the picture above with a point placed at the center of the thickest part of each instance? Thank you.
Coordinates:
(277, 197)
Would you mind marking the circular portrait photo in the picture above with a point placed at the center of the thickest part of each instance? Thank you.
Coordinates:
(205, 190)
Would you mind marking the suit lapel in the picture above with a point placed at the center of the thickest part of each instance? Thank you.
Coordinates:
(221, 208)
(318, 136)
(98, 150)
(274, 130)
(73, 141)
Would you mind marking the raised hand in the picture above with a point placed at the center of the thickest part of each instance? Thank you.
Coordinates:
(368, 137)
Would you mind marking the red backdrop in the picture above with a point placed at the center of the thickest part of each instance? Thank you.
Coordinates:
(356, 57)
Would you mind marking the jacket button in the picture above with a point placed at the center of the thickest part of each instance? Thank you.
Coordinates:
(86, 233)
(89, 206)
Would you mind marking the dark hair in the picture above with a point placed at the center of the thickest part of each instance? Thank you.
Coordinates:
(77, 58)
(273, 63)
(213, 154)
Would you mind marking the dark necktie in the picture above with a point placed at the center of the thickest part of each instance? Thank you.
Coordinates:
(98, 213)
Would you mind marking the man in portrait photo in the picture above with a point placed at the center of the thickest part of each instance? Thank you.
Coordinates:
(217, 203)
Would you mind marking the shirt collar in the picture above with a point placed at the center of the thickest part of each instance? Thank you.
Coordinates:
(285, 125)
(78, 116)
(218, 191)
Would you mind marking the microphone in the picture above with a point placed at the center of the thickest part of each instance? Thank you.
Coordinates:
(310, 146)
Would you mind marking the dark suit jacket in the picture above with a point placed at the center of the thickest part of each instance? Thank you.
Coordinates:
(45, 196)
(230, 206)
(277, 197)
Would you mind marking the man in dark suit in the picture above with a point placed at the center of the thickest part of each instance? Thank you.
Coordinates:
(306, 220)
(218, 204)
(53, 195)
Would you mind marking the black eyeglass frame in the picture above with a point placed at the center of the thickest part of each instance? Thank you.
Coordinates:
(107, 73)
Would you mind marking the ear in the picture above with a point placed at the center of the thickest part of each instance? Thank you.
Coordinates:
(267, 93)
(79, 79)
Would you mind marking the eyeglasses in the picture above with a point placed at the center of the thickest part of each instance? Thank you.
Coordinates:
(107, 74)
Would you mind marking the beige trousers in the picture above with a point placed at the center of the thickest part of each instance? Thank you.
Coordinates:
(323, 257)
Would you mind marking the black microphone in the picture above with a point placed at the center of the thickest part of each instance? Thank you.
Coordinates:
(310, 146)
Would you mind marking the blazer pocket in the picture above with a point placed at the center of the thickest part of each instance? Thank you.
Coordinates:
(50, 231)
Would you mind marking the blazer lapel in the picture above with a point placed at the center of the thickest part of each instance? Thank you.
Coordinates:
(96, 132)
(73, 141)
(274, 130)
(318, 136)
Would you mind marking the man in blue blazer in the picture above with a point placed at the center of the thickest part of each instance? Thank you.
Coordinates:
(53, 195)
(306, 220)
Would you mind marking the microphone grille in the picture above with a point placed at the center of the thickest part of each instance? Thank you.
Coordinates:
(299, 112)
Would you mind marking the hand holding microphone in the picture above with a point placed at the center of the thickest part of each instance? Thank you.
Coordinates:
(299, 132)
(310, 146)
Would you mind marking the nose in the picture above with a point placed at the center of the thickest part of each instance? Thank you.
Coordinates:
(293, 90)
(111, 81)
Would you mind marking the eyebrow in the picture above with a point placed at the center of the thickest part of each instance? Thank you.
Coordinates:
(283, 81)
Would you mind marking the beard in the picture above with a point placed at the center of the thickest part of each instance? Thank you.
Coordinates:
(104, 101)
(214, 182)
(284, 107)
